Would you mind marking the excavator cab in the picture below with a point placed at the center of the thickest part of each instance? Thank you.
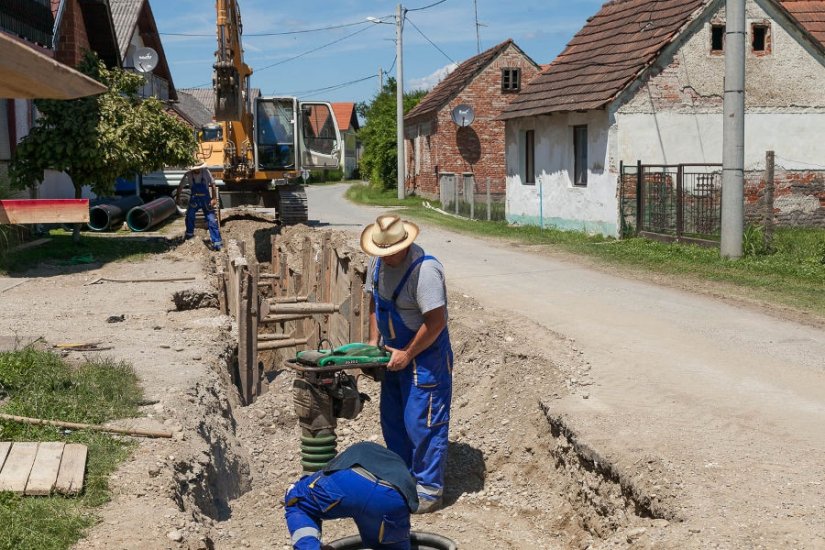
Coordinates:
(291, 136)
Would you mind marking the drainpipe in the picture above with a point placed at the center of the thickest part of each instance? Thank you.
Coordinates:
(58, 18)
(541, 203)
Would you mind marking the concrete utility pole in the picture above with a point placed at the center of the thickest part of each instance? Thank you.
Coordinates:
(399, 113)
(733, 128)
(380, 79)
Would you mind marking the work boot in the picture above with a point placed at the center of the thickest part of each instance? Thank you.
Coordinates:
(216, 247)
(427, 505)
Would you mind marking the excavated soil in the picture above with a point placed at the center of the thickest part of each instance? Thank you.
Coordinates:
(517, 476)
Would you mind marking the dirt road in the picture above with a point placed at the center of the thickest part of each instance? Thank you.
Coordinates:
(590, 410)
(727, 403)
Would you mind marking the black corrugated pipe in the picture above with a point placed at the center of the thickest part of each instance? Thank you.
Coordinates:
(418, 541)
(103, 217)
(150, 214)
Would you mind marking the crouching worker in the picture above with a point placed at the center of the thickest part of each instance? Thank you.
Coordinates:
(204, 196)
(367, 483)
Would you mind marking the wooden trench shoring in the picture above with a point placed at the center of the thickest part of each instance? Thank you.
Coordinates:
(311, 294)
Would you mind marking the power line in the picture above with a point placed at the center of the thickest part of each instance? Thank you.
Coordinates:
(427, 7)
(300, 55)
(428, 40)
(283, 33)
(333, 87)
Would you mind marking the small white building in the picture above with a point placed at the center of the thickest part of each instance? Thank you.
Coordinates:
(643, 81)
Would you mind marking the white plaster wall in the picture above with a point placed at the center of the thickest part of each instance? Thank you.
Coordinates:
(553, 200)
(675, 138)
(689, 78)
(58, 185)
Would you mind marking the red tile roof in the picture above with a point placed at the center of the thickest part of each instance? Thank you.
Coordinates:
(810, 14)
(448, 88)
(612, 49)
(345, 115)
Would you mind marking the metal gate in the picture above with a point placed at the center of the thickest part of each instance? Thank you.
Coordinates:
(680, 202)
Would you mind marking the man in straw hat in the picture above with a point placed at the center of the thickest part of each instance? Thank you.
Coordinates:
(204, 196)
(409, 312)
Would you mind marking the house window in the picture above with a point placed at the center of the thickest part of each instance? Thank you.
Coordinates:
(510, 80)
(580, 155)
(717, 38)
(530, 157)
(760, 38)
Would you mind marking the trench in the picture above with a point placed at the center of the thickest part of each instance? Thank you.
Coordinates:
(249, 454)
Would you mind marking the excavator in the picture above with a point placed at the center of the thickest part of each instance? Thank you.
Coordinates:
(259, 148)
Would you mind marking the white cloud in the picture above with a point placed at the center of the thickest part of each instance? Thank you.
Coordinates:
(429, 82)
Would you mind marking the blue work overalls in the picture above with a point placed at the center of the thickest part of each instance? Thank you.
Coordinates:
(415, 402)
(380, 512)
(200, 199)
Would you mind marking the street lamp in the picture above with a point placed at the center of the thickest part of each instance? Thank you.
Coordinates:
(399, 93)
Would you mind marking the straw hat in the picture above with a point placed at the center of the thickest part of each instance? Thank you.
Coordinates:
(198, 165)
(388, 235)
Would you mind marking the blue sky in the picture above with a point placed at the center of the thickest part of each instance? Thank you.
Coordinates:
(540, 27)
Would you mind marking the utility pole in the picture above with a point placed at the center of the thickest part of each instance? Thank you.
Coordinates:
(733, 132)
(380, 79)
(399, 95)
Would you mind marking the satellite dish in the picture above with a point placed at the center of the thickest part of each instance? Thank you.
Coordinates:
(145, 60)
(463, 115)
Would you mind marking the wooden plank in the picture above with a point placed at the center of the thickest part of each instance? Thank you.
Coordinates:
(45, 469)
(18, 466)
(5, 447)
(27, 211)
(244, 366)
(72, 470)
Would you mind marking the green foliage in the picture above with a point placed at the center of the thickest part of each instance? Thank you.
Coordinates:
(753, 241)
(367, 194)
(40, 384)
(63, 250)
(379, 162)
(97, 139)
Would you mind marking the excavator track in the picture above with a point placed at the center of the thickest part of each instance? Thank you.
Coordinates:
(292, 204)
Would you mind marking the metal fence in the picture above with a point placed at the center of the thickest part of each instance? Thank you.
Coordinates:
(680, 202)
(463, 196)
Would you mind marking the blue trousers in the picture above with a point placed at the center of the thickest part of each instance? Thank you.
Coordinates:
(380, 512)
(203, 203)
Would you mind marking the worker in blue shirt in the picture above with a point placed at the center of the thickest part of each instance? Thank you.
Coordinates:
(204, 196)
(367, 483)
(408, 314)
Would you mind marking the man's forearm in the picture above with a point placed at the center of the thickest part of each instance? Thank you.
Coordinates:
(426, 335)
(373, 325)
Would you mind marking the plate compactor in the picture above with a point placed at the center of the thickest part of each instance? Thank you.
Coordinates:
(323, 391)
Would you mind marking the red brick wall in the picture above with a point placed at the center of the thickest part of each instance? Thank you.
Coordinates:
(799, 197)
(478, 149)
(72, 41)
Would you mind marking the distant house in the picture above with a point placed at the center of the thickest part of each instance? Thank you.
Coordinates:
(135, 28)
(436, 146)
(643, 81)
(348, 126)
(62, 29)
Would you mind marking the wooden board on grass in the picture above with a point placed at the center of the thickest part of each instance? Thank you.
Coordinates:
(72, 470)
(46, 466)
(18, 466)
(38, 469)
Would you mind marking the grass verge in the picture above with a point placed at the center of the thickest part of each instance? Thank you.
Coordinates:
(39, 384)
(793, 275)
(366, 194)
(61, 250)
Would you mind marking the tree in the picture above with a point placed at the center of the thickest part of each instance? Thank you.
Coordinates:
(379, 163)
(100, 138)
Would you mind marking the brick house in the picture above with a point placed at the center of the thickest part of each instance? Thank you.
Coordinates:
(643, 81)
(435, 145)
(57, 28)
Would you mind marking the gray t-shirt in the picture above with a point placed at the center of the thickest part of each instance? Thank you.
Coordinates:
(426, 289)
